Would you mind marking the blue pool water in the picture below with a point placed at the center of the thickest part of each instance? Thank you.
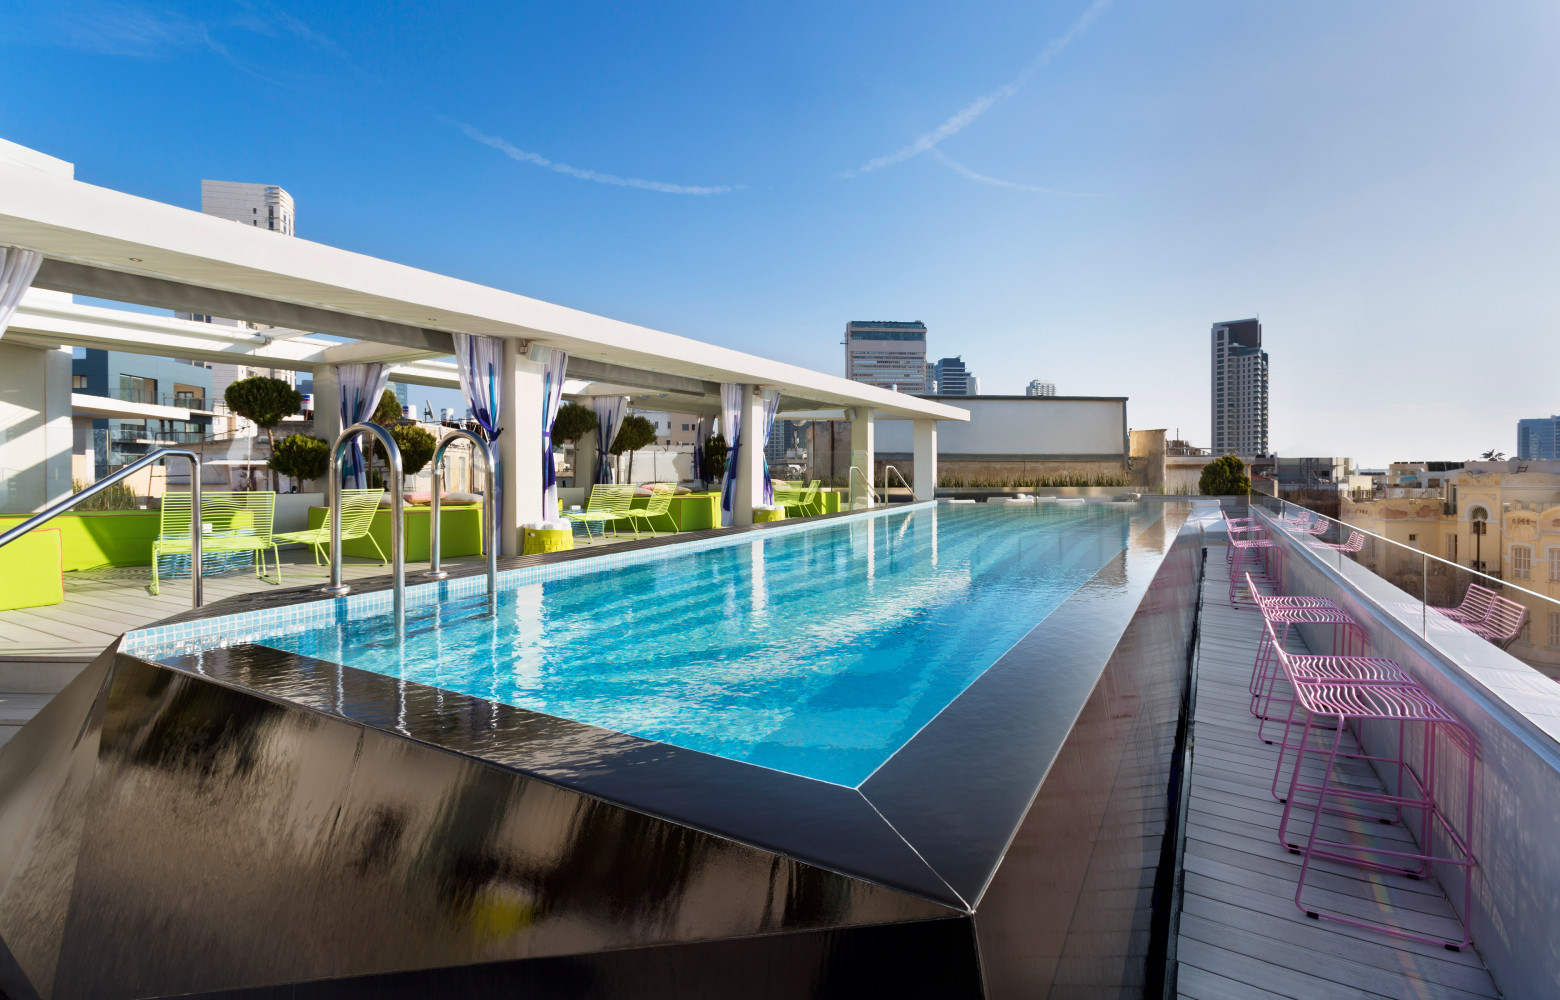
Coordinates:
(817, 652)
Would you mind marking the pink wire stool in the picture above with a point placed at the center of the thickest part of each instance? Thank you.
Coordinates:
(1316, 527)
(1278, 614)
(1247, 555)
(1353, 543)
(1404, 703)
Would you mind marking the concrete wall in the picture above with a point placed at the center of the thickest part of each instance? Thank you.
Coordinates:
(1023, 429)
(35, 427)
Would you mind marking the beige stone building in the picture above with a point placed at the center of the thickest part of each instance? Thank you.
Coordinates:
(1502, 518)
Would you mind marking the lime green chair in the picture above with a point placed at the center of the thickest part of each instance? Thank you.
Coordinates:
(607, 503)
(358, 508)
(803, 498)
(230, 522)
(659, 505)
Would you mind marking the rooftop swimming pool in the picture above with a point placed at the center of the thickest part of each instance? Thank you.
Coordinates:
(819, 652)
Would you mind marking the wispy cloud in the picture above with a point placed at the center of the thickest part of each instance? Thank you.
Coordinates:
(959, 122)
(524, 156)
(964, 171)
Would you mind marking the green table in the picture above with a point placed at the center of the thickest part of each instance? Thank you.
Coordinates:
(460, 532)
(94, 539)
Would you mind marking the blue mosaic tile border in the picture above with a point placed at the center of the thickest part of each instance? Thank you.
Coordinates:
(254, 626)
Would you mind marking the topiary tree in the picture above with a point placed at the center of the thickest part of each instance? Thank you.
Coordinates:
(388, 412)
(1224, 477)
(300, 456)
(636, 433)
(574, 422)
(417, 447)
(264, 400)
(714, 456)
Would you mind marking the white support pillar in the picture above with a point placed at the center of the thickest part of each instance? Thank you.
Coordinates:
(520, 446)
(585, 452)
(924, 475)
(863, 455)
(327, 403)
(750, 463)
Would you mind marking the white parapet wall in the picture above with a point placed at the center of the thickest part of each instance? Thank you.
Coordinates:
(1004, 431)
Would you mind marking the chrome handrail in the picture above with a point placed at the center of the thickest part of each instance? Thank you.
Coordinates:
(397, 518)
(886, 470)
(102, 484)
(489, 508)
(866, 481)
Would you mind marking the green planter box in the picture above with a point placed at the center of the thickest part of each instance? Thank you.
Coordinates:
(695, 511)
(95, 539)
(460, 532)
(30, 573)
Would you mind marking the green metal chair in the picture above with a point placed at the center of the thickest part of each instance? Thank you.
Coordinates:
(358, 508)
(658, 505)
(608, 502)
(230, 522)
(803, 498)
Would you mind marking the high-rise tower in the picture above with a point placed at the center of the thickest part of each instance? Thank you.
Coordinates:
(887, 354)
(1238, 389)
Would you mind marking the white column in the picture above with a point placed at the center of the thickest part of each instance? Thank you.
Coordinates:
(750, 464)
(520, 446)
(924, 475)
(862, 453)
(585, 460)
(327, 403)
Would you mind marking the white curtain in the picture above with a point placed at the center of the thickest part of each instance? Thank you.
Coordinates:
(610, 411)
(480, 363)
(771, 404)
(361, 386)
(700, 432)
(18, 268)
(731, 427)
(552, 397)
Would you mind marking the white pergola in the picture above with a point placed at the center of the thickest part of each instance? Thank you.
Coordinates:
(104, 243)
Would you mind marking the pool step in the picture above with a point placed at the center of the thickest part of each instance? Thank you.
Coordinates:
(28, 681)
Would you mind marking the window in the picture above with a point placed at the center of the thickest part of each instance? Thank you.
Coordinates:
(137, 389)
(78, 381)
(1522, 562)
(1413, 538)
(1554, 630)
(1451, 548)
(1526, 635)
(1554, 565)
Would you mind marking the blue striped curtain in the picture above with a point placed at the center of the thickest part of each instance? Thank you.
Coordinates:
(552, 398)
(360, 386)
(480, 362)
(771, 405)
(731, 427)
(610, 411)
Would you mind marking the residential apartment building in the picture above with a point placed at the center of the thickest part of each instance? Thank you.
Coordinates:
(159, 387)
(1539, 438)
(950, 377)
(1238, 388)
(1040, 387)
(1500, 518)
(888, 354)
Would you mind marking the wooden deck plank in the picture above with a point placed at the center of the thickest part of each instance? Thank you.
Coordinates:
(1241, 934)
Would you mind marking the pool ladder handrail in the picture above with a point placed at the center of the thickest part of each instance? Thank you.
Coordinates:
(489, 508)
(66, 504)
(397, 518)
(886, 470)
(866, 481)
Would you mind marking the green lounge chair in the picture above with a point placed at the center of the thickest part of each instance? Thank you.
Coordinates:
(358, 508)
(230, 522)
(607, 503)
(658, 505)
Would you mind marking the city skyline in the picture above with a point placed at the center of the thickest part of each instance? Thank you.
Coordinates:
(1075, 211)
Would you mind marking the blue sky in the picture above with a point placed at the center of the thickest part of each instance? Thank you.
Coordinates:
(1065, 190)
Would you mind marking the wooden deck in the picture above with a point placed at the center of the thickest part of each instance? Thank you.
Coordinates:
(1241, 936)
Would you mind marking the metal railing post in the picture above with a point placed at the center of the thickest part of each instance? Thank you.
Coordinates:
(397, 518)
(54, 510)
(902, 481)
(489, 513)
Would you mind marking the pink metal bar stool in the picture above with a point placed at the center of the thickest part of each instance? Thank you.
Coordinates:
(1353, 543)
(1250, 555)
(1279, 613)
(1405, 704)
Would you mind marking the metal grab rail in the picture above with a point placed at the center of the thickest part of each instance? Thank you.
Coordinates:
(866, 481)
(886, 470)
(102, 484)
(397, 518)
(489, 512)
